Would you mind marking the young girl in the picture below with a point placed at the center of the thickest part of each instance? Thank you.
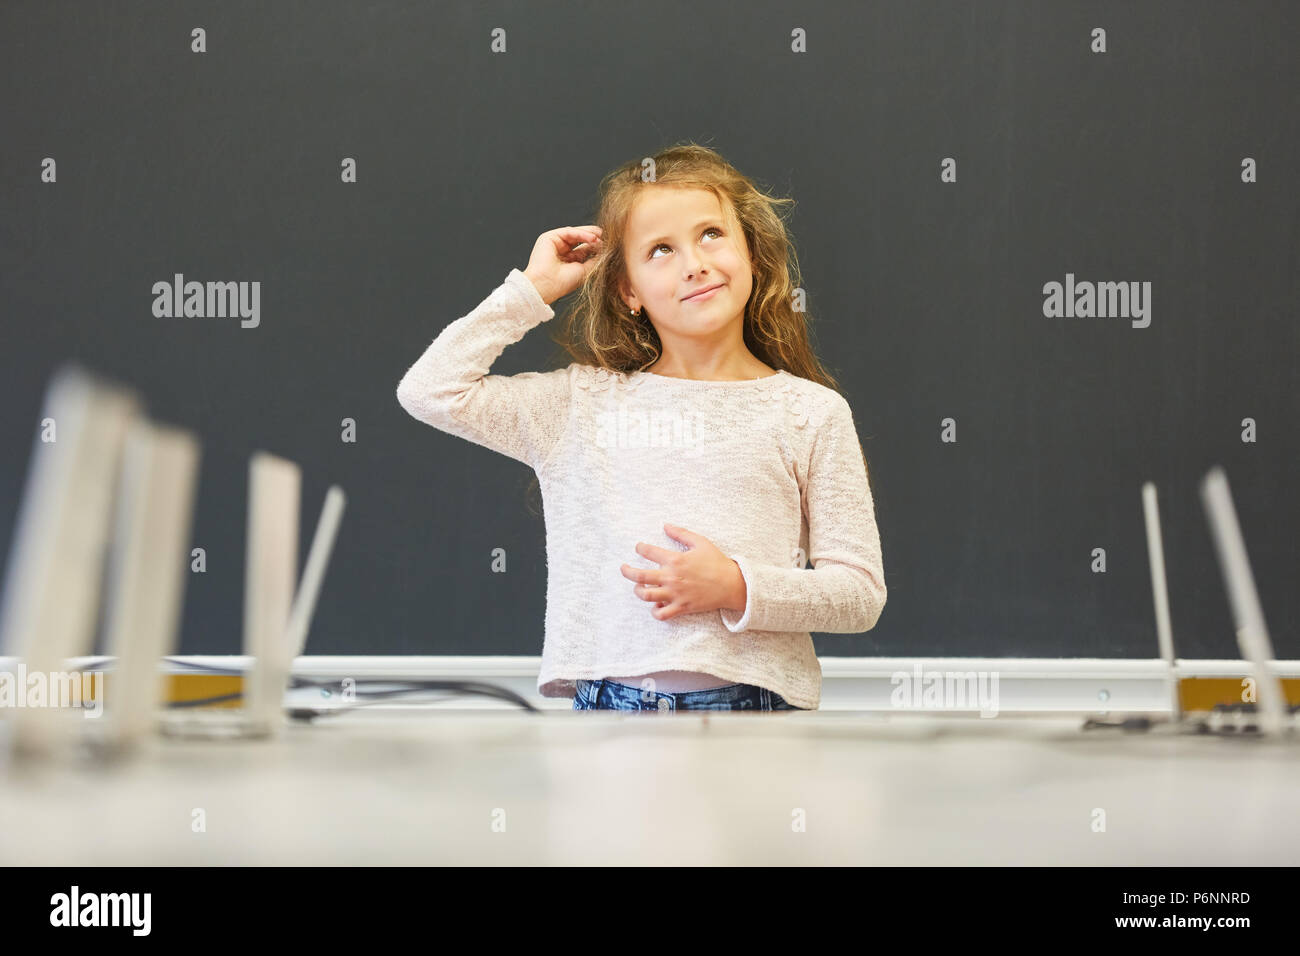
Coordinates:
(690, 457)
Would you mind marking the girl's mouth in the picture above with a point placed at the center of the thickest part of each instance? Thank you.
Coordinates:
(702, 296)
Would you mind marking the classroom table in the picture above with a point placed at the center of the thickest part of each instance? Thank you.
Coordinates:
(424, 786)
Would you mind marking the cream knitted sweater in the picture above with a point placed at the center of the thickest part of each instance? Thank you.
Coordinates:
(769, 470)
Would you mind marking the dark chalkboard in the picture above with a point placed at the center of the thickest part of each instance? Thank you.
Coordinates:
(1167, 159)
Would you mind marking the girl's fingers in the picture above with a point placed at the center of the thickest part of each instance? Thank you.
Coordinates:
(569, 242)
(574, 235)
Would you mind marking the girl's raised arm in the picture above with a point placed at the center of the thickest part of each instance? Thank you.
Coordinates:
(449, 387)
(522, 416)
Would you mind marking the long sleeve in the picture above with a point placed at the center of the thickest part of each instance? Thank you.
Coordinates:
(522, 416)
(844, 591)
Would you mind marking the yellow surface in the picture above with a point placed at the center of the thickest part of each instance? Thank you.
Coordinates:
(1202, 693)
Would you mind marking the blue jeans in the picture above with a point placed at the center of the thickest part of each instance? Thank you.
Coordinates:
(611, 695)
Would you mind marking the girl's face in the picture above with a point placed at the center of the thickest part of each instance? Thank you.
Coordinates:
(679, 242)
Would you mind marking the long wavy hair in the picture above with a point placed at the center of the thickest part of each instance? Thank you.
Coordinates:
(597, 328)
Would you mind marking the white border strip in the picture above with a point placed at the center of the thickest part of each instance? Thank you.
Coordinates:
(1025, 685)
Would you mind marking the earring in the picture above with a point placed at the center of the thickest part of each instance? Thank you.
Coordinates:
(634, 313)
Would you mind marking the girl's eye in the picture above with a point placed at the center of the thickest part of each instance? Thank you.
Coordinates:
(664, 245)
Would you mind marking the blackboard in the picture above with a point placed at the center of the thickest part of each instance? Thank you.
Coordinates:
(1167, 159)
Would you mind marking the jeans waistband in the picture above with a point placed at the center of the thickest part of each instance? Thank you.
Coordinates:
(607, 694)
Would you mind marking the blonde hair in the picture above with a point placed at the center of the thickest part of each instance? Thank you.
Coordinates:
(597, 329)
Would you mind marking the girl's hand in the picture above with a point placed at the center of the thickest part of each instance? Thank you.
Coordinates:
(561, 260)
(686, 582)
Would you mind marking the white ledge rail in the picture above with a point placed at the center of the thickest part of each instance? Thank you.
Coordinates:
(1026, 686)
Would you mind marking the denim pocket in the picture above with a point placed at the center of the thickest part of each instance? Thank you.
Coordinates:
(580, 701)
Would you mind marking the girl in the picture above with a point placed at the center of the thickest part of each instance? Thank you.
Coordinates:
(690, 457)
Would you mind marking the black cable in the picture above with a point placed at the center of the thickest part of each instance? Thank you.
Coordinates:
(403, 687)
(203, 700)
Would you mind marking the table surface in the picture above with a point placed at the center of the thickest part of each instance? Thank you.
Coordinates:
(392, 786)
